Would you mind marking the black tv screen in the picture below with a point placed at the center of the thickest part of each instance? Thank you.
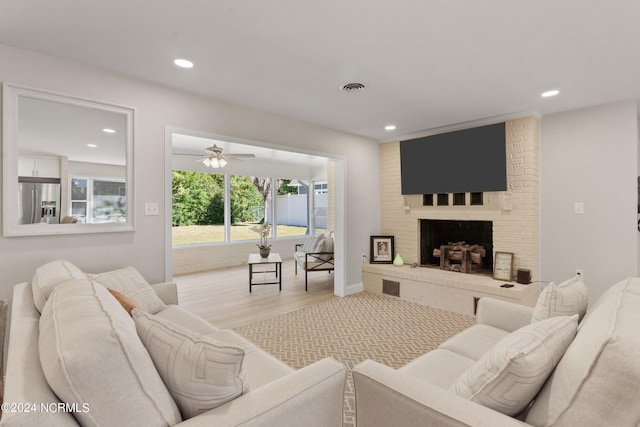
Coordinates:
(470, 160)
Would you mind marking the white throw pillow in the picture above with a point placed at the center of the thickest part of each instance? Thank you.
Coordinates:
(511, 373)
(130, 283)
(92, 357)
(566, 299)
(50, 275)
(325, 245)
(200, 372)
(312, 242)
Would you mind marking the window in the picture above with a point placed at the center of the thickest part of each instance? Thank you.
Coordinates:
(250, 197)
(198, 211)
(96, 200)
(197, 207)
(291, 208)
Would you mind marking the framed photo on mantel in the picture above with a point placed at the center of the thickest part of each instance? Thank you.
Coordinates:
(381, 250)
(503, 266)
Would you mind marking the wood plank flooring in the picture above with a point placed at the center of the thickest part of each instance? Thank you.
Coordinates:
(222, 296)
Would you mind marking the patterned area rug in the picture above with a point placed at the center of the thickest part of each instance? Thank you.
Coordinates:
(355, 328)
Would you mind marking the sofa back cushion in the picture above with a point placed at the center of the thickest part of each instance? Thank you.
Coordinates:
(566, 299)
(596, 382)
(200, 372)
(92, 358)
(50, 275)
(130, 283)
(511, 373)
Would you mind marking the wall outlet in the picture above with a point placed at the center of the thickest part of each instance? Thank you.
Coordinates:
(580, 272)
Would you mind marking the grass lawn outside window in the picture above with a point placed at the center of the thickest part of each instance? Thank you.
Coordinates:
(198, 234)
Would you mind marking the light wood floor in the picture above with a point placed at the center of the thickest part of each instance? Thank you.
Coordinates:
(222, 296)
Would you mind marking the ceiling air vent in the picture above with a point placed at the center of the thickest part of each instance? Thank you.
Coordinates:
(352, 87)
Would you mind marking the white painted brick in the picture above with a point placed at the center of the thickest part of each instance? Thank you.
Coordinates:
(515, 230)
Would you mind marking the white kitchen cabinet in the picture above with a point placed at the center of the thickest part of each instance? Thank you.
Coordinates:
(42, 167)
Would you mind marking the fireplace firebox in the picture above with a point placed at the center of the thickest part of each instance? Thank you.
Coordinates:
(472, 238)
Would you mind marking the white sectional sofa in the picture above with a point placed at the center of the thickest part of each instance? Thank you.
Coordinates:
(503, 372)
(75, 357)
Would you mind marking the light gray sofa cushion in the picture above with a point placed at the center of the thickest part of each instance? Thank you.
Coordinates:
(512, 372)
(50, 275)
(130, 283)
(596, 382)
(200, 372)
(439, 367)
(475, 341)
(91, 355)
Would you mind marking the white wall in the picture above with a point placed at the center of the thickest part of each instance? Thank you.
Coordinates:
(155, 108)
(590, 156)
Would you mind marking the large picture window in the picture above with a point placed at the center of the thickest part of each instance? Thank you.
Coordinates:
(199, 202)
(96, 200)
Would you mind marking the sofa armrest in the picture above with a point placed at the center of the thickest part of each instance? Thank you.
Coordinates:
(387, 397)
(504, 315)
(309, 397)
(167, 291)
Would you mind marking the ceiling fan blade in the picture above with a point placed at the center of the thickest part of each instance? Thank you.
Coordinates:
(240, 156)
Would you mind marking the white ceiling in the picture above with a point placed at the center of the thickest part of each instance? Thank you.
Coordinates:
(427, 64)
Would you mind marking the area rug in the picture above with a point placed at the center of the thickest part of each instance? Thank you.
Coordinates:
(355, 328)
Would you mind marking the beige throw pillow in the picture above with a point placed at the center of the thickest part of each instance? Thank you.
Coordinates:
(568, 298)
(200, 372)
(130, 283)
(50, 275)
(512, 372)
(91, 356)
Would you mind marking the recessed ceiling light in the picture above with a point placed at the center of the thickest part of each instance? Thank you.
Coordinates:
(549, 93)
(352, 87)
(183, 63)
(390, 127)
(91, 145)
(108, 130)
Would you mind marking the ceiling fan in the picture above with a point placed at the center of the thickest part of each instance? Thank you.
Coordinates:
(217, 159)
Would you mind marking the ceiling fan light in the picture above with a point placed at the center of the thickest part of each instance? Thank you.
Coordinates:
(223, 163)
(207, 162)
(215, 163)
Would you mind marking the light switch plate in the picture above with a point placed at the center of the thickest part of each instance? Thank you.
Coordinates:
(578, 208)
(151, 208)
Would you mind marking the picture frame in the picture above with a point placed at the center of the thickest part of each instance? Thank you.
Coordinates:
(503, 266)
(381, 250)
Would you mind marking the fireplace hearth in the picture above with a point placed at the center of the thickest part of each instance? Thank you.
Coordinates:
(457, 245)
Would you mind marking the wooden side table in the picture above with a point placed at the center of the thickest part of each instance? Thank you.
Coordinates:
(256, 259)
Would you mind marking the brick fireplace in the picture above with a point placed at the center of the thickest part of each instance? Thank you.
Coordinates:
(513, 214)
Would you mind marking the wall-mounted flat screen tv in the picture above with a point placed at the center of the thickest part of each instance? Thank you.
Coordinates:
(469, 160)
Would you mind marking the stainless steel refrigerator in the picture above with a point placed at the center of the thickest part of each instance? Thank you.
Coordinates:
(38, 200)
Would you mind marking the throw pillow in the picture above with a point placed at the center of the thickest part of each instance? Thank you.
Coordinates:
(129, 282)
(511, 373)
(50, 275)
(200, 372)
(566, 299)
(126, 303)
(91, 356)
(312, 242)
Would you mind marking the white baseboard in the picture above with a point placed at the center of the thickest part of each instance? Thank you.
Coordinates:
(354, 289)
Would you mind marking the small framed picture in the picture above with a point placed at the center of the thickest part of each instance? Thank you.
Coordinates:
(381, 250)
(503, 266)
